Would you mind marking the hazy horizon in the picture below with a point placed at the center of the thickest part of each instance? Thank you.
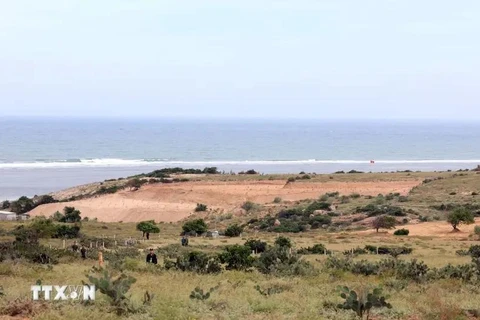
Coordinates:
(330, 60)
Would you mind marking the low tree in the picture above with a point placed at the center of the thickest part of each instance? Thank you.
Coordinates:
(22, 205)
(283, 242)
(459, 216)
(237, 257)
(5, 204)
(134, 184)
(70, 215)
(147, 227)
(384, 222)
(233, 230)
(198, 226)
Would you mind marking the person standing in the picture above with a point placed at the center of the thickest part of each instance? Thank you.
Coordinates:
(152, 257)
(83, 251)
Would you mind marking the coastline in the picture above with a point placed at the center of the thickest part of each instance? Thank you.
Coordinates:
(28, 181)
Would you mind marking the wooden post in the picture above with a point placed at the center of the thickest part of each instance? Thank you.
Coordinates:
(63, 243)
(91, 245)
(377, 250)
(96, 244)
(100, 258)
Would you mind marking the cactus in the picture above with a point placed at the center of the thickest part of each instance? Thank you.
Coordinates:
(199, 294)
(116, 290)
(147, 298)
(362, 303)
(269, 291)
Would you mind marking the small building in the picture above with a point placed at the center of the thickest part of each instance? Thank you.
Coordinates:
(212, 234)
(12, 216)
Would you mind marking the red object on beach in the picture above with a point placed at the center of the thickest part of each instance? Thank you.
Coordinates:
(371, 161)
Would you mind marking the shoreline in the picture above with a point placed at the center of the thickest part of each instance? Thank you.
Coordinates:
(16, 182)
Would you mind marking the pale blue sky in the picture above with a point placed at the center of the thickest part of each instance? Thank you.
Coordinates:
(249, 58)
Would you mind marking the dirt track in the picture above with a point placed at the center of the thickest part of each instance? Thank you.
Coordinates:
(174, 202)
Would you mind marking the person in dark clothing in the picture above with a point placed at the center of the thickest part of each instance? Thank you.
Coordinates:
(152, 257)
(83, 251)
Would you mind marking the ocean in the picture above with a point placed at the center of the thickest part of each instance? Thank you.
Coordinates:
(43, 155)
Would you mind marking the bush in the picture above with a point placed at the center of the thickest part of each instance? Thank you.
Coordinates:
(22, 205)
(116, 290)
(198, 226)
(291, 179)
(384, 222)
(474, 251)
(277, 200)
(476, 230)
(5, 205)
(256, 245)
(401, 232)
(278, 260)
(316, 249)
(237, 257)
(70, 215)
(362, 302)
(233, 231)
(201, 207)
(355, 195)
(283, 242)
(317, 205)
(195, 261)
(460, 215)
(68, 232)
(249, 206)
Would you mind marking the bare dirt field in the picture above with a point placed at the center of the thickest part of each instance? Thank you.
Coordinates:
(174, 202)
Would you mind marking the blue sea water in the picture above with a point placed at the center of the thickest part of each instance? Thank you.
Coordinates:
(43, 155)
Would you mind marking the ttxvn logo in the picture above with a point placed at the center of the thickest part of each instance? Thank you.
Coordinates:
(84, 292)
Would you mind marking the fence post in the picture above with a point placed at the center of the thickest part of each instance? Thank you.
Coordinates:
(63, 243)
(91, 245)
(100, 258)
(377, 250)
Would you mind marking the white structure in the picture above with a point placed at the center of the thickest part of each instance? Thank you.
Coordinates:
(212, 234)
(12, 216)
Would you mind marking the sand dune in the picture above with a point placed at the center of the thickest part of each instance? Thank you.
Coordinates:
(174, 202)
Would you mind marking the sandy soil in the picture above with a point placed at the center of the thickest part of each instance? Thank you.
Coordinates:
(174, 202)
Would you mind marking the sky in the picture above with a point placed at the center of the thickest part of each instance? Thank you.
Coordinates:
(330, 59)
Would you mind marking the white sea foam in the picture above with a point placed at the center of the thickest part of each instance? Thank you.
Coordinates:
(111, 162)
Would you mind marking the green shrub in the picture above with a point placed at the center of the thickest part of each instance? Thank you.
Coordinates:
(199, 294)
(283, 242)
(316, 249)
(460, 215)
(198, 226)
(277, 200)
(201, 207)
(354, 195)
(476, 230)
(316, 205)
(195, 261)
(233, 231)
(116, 290)
(249, 206)
(290, 179)
(361, 303)
(237, 257)
(256, 245)
(474, 251)
(401, 232)
(277, 260)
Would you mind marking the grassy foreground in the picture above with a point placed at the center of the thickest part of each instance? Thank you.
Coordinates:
(302, 297)
(311, 295)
